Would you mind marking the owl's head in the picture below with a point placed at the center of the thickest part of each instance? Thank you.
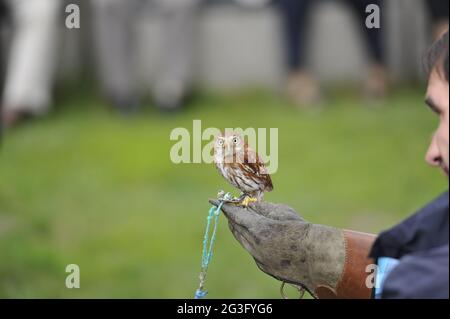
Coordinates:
(226, 145)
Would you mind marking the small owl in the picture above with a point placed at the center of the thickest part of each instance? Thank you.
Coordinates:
(241, 167)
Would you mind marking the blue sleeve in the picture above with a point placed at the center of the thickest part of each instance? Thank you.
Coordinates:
(420, 275)
(385, 266)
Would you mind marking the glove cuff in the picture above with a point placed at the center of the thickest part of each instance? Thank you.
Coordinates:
(352, 282)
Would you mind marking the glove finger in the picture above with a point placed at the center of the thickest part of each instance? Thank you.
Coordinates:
(271, 272)
(243, 237)
(214, 202)
(238, 215)
(275, 211)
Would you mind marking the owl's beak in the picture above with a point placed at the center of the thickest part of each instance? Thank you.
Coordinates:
(229, 150)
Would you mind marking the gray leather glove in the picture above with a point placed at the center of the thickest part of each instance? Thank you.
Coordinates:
(289, 248)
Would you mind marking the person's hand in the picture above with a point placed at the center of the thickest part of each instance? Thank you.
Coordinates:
(275, 235)
(327, 261)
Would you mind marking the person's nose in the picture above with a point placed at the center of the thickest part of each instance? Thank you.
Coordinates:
(433, 156)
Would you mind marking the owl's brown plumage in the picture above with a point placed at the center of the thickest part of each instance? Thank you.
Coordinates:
(241, 166)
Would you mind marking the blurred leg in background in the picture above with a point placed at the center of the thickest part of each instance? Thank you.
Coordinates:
(31, 62)
(439, 16)
(302, 88)
(376, 83)
(113, 40)
(3, 22)
(176, 66)
(3, 17)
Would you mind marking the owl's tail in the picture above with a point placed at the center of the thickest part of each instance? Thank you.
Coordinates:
(268, 184)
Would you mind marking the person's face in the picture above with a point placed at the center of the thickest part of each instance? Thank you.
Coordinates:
(437, 100)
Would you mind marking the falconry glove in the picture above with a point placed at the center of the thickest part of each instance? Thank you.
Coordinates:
(326, 261)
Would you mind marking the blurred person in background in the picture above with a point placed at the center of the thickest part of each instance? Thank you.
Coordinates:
(438, 10)
(302, 87)
(115, 50)
(3, 17)
(30, 66)
(112, 31)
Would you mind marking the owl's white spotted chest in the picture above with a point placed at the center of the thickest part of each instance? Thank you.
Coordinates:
(236, 177)
(222, 169)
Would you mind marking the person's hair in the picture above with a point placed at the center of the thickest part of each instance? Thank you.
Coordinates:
(436, 58)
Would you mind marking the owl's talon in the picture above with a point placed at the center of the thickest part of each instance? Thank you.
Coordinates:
(241, 197)
(247, 201)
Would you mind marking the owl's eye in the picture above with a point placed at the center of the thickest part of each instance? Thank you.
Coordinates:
(220, 142)
(235, 140)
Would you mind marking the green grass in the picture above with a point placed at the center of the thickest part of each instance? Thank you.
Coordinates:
(84, 186)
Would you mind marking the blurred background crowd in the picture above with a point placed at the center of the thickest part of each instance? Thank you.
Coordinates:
(85, 170)
(124, 45)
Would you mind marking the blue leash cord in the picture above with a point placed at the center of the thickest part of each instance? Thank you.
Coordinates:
(208, 244)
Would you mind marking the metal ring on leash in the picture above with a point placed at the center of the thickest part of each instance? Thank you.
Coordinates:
(301, 290)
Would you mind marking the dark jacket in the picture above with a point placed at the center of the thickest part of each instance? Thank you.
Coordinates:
(421, 245)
